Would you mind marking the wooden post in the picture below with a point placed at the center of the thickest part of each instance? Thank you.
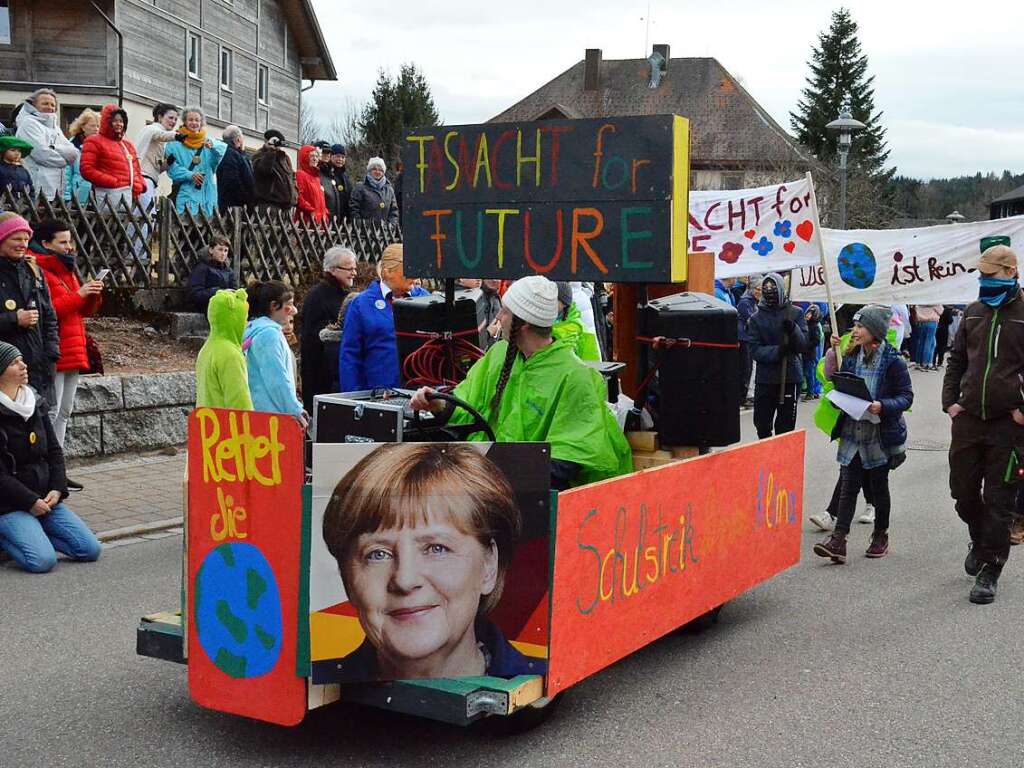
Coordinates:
(700, 273)
(164, 265)
(236, 241)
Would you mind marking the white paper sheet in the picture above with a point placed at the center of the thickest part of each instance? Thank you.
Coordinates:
(853, 406)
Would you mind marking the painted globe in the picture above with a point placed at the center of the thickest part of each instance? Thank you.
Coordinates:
(857, 266)
(238, 610)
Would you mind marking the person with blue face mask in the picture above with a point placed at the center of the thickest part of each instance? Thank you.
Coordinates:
(983, 393)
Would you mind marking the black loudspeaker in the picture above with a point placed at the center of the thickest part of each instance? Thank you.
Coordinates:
(419, 318)
(699, 384)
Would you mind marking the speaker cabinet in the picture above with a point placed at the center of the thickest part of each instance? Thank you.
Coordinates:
(699, 385)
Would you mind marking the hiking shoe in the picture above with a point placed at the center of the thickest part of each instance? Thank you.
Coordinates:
(823, 521)
(869, 515)
(1017, 530)
(834, 547)
(879, 546)
(971, 564)
(984, 590)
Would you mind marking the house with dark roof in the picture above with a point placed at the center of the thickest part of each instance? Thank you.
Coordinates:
(1010, 204)
(734, 142)
(240, 61)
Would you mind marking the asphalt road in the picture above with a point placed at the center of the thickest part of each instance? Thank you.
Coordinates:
(878, 663)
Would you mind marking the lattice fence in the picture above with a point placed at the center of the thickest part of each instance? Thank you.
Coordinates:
(158, 247)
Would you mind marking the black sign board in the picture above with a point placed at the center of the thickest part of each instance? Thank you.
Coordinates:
(569, 199)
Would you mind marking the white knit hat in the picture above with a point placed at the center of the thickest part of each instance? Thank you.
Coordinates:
(376, 162)
(533, 299)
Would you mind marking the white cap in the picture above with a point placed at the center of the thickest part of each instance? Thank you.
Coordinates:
(533, 299)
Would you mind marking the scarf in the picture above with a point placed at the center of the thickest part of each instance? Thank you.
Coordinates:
(23, 404)
(996, 291)
(377, 184)
(193, 140)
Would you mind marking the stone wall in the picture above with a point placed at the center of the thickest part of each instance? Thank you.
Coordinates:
(130, 412)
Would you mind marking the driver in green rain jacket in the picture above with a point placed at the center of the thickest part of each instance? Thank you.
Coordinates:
(533, 388)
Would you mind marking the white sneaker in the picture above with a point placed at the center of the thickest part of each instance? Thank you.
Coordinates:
(823, 520)
(868, 516)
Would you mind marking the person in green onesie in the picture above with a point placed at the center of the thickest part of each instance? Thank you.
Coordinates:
(222, 380)
(533, 388)
(569, 326)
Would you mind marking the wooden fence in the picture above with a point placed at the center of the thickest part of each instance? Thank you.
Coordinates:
(157, 247)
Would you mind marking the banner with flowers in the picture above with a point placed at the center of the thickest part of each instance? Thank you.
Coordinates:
(766, 229)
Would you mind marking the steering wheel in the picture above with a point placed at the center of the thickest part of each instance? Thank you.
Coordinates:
(458, 431)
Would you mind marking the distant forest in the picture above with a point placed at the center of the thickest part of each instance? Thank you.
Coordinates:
(934, 199)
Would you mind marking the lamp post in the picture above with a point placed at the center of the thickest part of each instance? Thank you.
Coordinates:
(845, 126)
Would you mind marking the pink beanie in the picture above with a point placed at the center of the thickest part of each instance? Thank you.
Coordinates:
(10, 223)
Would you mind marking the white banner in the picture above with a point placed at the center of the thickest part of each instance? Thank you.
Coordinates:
(927, 265)
(767, 229)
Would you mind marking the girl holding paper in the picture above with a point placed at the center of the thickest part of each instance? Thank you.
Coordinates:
(867, 450)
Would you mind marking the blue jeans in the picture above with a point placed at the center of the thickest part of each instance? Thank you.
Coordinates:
(811, 384)
(33, 541)
(926, 350)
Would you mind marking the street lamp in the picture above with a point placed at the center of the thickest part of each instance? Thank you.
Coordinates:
(845, 126)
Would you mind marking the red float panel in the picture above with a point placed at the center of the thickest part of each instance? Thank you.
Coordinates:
(643, 554)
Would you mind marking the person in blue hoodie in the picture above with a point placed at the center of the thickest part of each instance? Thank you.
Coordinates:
(268, 357)
(369, 350)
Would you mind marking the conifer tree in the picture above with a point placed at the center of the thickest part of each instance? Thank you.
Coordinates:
(396, 105)
(839, 74)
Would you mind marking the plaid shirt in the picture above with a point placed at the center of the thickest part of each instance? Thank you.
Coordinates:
(864, 437)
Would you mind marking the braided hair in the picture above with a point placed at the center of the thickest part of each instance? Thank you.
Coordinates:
(506, 369)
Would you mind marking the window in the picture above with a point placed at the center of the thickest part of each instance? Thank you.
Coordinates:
(5, 22)
(225, 69)
(195, 53)
(263, 84)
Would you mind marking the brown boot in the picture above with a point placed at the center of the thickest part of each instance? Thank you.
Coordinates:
(879, 546)
(1017, 530)
(834, 547)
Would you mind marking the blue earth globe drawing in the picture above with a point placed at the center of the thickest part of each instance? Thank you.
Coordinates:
(857, 266)
(238, 610)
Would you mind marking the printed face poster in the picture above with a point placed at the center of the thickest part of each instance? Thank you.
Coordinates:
(428, 560)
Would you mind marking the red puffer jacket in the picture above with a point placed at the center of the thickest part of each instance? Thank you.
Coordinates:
(110, 163)
(71, 308)
(311, 205)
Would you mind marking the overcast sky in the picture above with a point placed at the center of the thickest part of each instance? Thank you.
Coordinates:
(949, 80)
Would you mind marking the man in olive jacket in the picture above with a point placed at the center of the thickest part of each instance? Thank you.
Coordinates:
(983, 393)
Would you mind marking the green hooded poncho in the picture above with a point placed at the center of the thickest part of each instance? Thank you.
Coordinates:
(572, 331)
(550, 398)
(221, 377)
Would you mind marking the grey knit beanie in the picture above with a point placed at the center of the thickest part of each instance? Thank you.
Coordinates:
(875, 318)
(8, 354)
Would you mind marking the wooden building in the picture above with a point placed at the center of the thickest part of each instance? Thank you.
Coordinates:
(734, 142)
(1010, 204)
(242, 61)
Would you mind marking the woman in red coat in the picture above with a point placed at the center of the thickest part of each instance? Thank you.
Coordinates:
(312, 205)
(110, 161)
(54, 251)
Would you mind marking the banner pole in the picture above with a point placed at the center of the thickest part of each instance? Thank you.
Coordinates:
(825, 271)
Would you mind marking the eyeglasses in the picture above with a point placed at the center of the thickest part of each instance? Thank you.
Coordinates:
(345, 269)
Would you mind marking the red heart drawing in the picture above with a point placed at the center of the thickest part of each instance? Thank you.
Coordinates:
(804, 230)
(749, 234)
(789, 247)
(730, 253)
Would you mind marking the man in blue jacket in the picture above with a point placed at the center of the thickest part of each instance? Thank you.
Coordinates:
(745, 309)
(369, 351)
(777, 335)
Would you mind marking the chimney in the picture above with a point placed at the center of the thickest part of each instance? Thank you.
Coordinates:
(592, 70)
(663, 49)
